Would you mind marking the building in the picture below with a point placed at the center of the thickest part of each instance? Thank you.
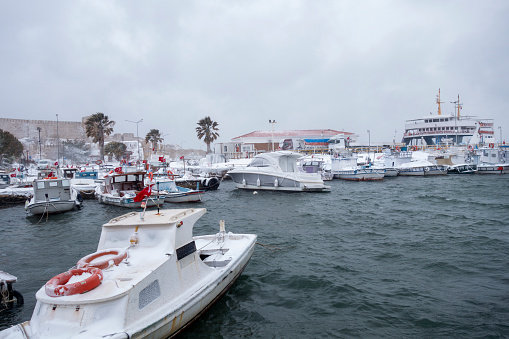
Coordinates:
(267, 141)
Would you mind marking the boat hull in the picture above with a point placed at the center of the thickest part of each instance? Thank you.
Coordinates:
(493, 169)
(271, 182)
(174, 323)
(182, 197)
(411, 172)
(108, 199)
(361, 175)
(51, 207)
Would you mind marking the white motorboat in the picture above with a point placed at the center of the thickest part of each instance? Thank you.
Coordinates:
(149, 278)
(317, 164)
(127, 190)
(277, 171)
(361, 174)
(53, 195)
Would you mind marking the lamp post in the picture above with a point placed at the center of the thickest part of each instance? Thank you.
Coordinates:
(137, 138)
(500, 129)
(369, 144)
(58, 145)
(39, 130)
(272, 122)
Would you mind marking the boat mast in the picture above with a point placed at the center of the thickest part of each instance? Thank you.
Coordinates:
(439, 102)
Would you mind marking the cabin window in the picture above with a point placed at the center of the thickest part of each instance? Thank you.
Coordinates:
(40, 184)
(53, 183)
(259, 162)
(132, 177)
(120, 178)
(65, 183)
(149, 294)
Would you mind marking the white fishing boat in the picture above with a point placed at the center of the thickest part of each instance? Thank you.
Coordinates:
(53, 195)
(177, 194)
(317, 164)
(493, 160)
(361, 174)
(150, 278)
(85, 182)
(435, 170)
(277, 171)
(462, 169)
(127, 190)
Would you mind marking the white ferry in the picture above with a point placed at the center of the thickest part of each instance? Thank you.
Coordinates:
(443, 129)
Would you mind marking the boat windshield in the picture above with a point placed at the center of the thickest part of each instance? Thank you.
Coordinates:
(259, 162)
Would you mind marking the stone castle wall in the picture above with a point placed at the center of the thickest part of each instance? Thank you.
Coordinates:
(27, 129)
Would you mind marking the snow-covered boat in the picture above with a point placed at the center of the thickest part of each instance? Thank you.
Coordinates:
(149, 278)
(85, 183)
(361, 174)
(125, 190)
(177, 194)
(462, 169)
(53, 195)
(277, 171)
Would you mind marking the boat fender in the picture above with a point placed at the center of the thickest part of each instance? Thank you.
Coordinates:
(150, 176)
(79, 197)
(276, 183)
(258, 182)
(59, 286)
(91, 260)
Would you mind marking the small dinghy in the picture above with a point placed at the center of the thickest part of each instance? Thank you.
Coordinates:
(149, 278)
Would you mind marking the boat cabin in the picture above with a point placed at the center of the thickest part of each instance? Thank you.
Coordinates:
(67, 172)
(86, 175)
(118, 183)
(52, 189)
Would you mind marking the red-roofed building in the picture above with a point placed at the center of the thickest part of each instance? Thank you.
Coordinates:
(264, 141)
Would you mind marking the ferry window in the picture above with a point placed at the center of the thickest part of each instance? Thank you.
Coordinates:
(435, 120)
(65, 183)
(149, 294)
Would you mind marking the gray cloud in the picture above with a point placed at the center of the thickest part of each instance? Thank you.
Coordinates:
(308, 64)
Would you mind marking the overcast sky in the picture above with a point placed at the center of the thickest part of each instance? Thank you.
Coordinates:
(345, 65)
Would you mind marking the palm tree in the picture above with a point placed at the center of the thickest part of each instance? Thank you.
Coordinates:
(97, 126)
(154, 136)
(207, 130)
(115, 148)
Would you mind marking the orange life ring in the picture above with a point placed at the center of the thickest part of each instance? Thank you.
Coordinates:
(492, 145)
(99, 161)
(171, 175)
(470, 147)
(151, 176)
(90, 260)
(58, 285)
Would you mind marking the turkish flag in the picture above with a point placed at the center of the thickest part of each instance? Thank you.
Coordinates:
(144, 193)
(162, 159)
(182, 158)
(118, 170)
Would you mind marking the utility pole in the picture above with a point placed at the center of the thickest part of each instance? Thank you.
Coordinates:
(58, 145)
(39, 130)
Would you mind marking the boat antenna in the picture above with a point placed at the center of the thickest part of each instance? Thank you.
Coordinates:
(439, 102)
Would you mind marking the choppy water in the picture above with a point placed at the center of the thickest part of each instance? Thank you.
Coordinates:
(403, 257)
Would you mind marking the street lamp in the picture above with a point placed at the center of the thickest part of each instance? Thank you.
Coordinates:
(369, 144)
(272, 122)
(58, 145)
(39, 130)
(500, 129)
(137, 138)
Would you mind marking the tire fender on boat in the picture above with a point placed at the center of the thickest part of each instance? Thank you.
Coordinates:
(111, 255)
(58, 286)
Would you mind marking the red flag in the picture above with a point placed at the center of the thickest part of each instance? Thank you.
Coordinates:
(118, 170)
(182, 158)
(144, 193)
(162, 159)
(56, 163)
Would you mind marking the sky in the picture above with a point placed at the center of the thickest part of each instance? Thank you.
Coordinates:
(317, 64)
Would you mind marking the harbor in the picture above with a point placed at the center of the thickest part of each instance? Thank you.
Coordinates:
(414, 257)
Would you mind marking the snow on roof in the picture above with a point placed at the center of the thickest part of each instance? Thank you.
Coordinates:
(292, 133)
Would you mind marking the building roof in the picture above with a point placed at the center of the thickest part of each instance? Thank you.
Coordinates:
(327, 133)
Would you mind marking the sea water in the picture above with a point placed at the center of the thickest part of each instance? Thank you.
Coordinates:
(402, 257)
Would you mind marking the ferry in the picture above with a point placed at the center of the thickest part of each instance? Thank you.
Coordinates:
(442, 129)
